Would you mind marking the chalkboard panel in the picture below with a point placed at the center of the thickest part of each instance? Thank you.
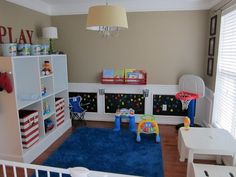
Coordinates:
(89, 100)
(173, 106)
(118, 101)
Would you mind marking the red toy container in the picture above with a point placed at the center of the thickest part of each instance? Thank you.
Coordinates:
(29, 126)
(60, 111)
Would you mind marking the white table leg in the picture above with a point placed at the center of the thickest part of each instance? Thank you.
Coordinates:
(182, 152)
(179, 141)
(190, 160)
(181, 147)
(218, 159)
(234, 160)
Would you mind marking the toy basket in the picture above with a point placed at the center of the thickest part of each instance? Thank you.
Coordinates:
(60, 111)
(29, 126)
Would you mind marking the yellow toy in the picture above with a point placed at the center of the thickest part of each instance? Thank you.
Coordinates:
(148, 125)
(187, 123)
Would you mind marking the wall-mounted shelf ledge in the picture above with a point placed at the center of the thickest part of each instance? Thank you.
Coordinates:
(128, 81)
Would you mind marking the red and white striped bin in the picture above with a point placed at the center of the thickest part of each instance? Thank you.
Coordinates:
(60, 111)
(29, 126)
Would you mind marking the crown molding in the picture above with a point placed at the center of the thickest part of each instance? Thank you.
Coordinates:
(130, 6)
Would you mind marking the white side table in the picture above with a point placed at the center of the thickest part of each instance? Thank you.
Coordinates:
(203, 170)
(209, 141)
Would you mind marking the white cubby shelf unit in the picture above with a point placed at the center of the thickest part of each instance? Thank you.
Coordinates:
(32, 91)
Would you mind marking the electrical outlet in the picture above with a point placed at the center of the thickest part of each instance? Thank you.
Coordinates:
(164, 107)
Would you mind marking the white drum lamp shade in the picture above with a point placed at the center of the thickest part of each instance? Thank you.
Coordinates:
(50, 33)
(106, 18)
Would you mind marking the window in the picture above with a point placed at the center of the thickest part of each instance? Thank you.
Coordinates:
(224, 114)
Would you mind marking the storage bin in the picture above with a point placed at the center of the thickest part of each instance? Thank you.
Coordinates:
(35, 49)
(29, 126)
(49, 125)
(23, 49)
(8, 50)
(44, 49)
(60, 111)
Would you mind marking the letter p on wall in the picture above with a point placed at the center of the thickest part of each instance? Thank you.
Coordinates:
(3, 32)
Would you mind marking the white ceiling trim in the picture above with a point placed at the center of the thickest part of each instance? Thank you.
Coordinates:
(130, 6)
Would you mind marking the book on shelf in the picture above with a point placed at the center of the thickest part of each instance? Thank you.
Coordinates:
(119, 74)
(108, 73)
(128, 73)
(133, 75)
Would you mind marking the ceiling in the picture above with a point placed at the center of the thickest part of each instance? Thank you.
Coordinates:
(69, 7)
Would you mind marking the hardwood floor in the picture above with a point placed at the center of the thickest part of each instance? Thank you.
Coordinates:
(172, 166)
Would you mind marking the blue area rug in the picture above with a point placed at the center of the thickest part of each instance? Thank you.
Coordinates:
(109, 151)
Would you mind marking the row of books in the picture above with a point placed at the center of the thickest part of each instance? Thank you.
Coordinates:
(123, 73)
(124, 76)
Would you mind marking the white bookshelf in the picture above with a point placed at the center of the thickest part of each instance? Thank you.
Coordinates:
(28, 81)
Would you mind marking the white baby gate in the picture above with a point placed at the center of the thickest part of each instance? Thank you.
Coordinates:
(18, 169)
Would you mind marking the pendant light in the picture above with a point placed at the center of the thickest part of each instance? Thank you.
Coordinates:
(106, 19)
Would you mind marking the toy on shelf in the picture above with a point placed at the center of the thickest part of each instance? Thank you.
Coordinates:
(48, 123)
(43, 89)
(46, 108)
(125, 113)
(187, 123)
(47, 69)
(148, 125)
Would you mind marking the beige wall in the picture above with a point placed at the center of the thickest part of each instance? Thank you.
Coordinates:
(165, 44)
(22, 18)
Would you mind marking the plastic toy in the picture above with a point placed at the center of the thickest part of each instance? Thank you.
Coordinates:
(47, 69)
(43, 90)
(191, 88)
(125, 113)
(48, 125)
(46, 108)
(187, 123)
(148, 125)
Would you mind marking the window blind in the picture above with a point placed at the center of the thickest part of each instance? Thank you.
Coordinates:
(224, 112)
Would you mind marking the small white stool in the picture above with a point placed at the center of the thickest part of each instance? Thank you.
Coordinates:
(202, 170)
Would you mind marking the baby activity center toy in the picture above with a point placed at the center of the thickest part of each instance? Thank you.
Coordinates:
(125, 113)
(148, 125)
